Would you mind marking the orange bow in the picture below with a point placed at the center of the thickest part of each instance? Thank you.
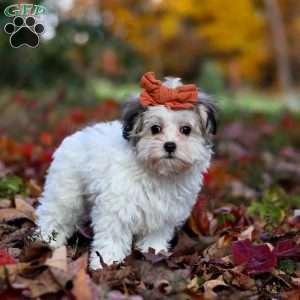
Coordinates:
(155, 93)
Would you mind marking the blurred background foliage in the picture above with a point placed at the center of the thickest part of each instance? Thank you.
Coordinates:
(245, 52)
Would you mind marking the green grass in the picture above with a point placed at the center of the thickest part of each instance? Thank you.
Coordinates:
(99, 89)
(245, 101)
(252, 102)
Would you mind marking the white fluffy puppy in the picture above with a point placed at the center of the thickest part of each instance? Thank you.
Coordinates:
(138, 178)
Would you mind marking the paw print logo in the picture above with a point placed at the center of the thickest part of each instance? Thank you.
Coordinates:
(24, 32)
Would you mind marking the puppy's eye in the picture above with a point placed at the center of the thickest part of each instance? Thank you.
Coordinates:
(186, 130)
(155, 129)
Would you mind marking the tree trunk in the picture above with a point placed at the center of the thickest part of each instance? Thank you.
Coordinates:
(234, 75)
(280, 45)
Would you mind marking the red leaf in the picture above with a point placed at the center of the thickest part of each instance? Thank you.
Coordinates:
(5, 258)
(288, 122)
(47, 156)
(287, 248)
(78, 116)
(46, 138)
(200, 216)
(257, 258)
(27, 150)
(294, 221)
(241, 251)
(207, 178)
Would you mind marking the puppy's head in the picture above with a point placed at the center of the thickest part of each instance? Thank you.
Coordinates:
(169, 141)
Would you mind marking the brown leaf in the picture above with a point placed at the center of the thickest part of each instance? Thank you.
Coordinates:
(58, 259)
(235, 277)
(193, 284)
(34, 189)
(116, 295)
(11, 271)
(296, 281)
(112, 275)
(185, 244)
(36, 250)
(25, 207)
(247, 233)
(63, 277)
(156, 274)
(291, 295)
(221, 248)
(209, 286)
(41, 285)
(83, 286)
(11, 236)
(12, 214)
(5, 203)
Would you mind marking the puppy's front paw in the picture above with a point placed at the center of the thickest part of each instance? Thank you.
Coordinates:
(156, 242)
(157, 248)
(99, 261)
(95, 262)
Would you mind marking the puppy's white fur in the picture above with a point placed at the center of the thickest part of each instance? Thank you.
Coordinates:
(133, 193)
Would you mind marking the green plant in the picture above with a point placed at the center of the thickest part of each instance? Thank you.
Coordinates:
(212, 78)
(10, 186)
(273, 206)
(287, 265)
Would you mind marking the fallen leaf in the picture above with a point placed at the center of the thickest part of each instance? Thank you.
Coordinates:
(257, 258)
(25, 207)
(10, 272)
(237, 278)
(156, 274)
(209, 286)
(199, 219)
(58, 259)
(41, 285)
(35, 250)
(116, 295)
(5, 203)
(5, 258)
(287, 248)
(220, 248)
(12, 214)
(185, 245)
(195, 284)
(34, 189)
(12, 295)
(83, 286)
(296, 281)
(155, 258)
(247, 233)
(290, 295)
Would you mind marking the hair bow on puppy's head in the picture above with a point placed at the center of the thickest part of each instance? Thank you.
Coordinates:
(155, 93)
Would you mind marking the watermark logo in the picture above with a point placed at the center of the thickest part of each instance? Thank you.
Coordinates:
(24, 30)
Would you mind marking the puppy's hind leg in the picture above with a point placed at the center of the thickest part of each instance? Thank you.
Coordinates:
(61, 204)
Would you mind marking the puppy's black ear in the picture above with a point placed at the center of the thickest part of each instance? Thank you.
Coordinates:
(208, 113)
(131, 117)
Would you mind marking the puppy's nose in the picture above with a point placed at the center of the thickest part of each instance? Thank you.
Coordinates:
(170, 147)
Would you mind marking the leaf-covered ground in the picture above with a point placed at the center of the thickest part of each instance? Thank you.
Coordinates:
(241, 242)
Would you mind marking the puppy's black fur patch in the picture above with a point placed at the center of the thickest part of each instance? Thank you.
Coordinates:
(211, 110)
(131, 112)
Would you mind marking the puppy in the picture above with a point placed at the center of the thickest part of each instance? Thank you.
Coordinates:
(138, 179)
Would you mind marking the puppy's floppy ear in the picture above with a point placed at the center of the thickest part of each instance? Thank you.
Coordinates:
(132, 117)
(208, 113)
